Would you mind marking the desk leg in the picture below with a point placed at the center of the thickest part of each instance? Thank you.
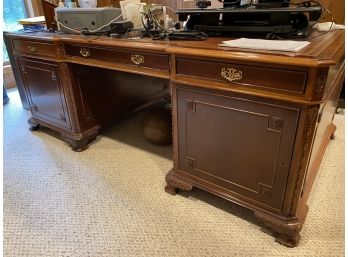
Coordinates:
(79, 142)
(285, 232)
(33, 126)
(174, 184)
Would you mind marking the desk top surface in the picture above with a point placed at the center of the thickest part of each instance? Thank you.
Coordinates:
(324, 50)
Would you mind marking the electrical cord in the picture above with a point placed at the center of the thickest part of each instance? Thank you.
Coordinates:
(332, 22)
(160, 32)
(308, 4)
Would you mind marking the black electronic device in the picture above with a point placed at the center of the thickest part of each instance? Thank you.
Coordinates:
(281, 22)
(203, 4)
(272, 3)
(120, 27)
(187, 35)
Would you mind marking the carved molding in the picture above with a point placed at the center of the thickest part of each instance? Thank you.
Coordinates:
(93, 132)
(61, 51)
(79, 141)
(320, 83)
(265, 191)
(286, 232)
(190, 106)
(189, 162)
(275, 123)
(311, 119)
(174, 182)
(68, 92)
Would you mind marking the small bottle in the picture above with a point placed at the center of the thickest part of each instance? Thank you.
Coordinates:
(60, 4)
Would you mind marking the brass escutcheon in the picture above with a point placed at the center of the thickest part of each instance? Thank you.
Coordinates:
(137, 59)
(85, 52)
(32, 48)
(231, 74)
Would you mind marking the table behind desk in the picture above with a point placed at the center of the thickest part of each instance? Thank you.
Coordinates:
(249, 126)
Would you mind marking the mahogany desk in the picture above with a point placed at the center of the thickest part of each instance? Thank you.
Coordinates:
(248, 126)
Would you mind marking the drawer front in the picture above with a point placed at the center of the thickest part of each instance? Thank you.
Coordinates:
(33, 48)
(254, 76)
(148, 60)
(239, 145)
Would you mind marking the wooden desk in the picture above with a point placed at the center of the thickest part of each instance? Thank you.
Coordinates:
(249, 126)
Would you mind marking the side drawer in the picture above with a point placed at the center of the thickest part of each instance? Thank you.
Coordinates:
(33, 47)
(248, 75)
(148, 60)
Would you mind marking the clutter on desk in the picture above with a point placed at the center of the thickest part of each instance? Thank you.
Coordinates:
(33, 24)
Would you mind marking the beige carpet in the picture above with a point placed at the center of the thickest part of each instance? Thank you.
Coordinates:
(110, 201)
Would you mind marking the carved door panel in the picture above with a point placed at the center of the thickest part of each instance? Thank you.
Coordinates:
(241, 145)
(45, 92)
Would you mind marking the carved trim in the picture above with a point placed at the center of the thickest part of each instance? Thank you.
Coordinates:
(69, 96)
(312, 116)
(175, 183)
(190, 106)
(286, 232)
(189, 162)
(61, 51)
(266, 192)
(92, 132)
(320, 83)
(79, 141)
(275, 123)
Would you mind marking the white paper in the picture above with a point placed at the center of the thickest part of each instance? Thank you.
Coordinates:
(263, 44)
(326, 26)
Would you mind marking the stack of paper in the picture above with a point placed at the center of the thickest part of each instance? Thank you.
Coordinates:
(263, 44)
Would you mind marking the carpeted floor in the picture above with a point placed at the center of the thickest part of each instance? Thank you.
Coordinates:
(110, 201)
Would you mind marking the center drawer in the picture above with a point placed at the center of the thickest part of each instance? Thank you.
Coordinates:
(281, 79)
(142, 59)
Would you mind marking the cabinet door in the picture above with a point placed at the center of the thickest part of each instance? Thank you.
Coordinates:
(242, 146)
(45, 92)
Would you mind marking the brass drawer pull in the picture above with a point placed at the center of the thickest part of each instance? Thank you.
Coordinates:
(137, 59)
(32, 48)
(231, 74)
(85, 52)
